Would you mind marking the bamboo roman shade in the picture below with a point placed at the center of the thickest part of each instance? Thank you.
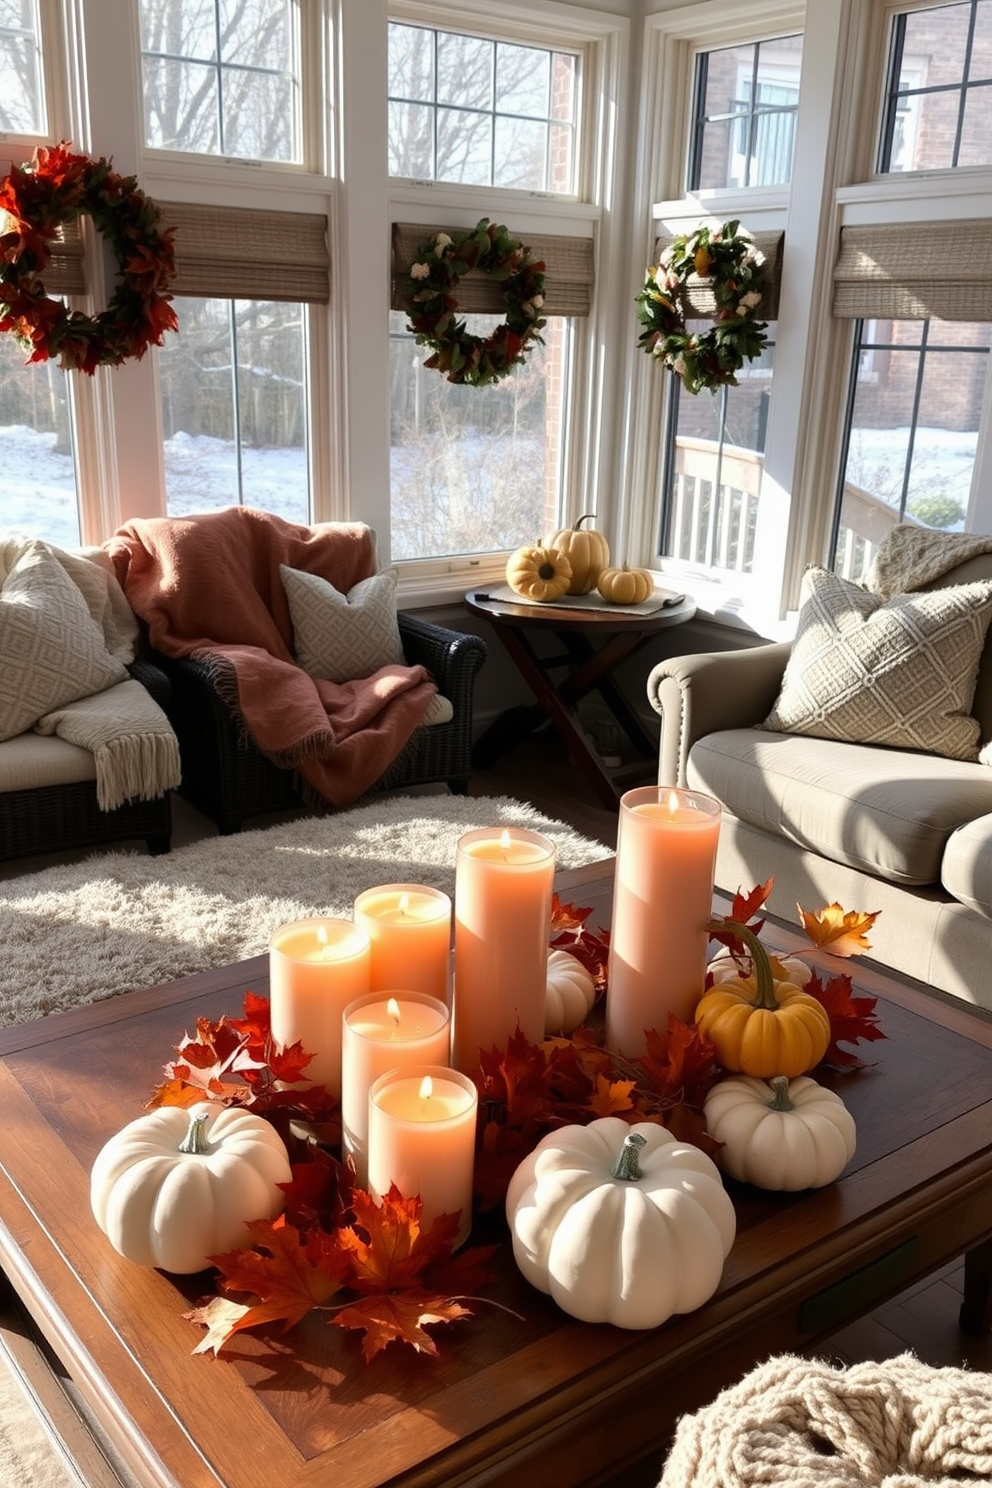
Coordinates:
(914, 271)
(568, 276)
(239, 253)
(699, 302)
(64, 274)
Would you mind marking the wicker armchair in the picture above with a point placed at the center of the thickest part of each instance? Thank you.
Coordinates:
(60, 818)
(227, 778)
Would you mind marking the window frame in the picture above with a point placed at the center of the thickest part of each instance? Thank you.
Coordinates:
(604, 43)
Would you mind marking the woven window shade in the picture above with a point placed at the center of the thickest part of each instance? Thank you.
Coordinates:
(914, 271)
(237, 253)
(568, 275)
(697, 298)
(64, 274)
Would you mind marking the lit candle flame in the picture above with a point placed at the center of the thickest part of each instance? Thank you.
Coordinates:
(426, 1088)
(322, 935)
(323, 943)
(673, 801)
(404, 906)
(393, 1010)
(504, 843)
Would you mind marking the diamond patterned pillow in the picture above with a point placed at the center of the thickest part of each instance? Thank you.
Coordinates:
(341, 637)
(51, 650)
(900, 672)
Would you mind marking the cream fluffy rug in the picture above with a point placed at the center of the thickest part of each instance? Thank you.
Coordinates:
(73, 935)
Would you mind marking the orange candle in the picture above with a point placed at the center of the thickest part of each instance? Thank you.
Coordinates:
(662, 901)
(422, 1139)
(380, 1033)
(316, 967)
(503, 882)
(409, 926)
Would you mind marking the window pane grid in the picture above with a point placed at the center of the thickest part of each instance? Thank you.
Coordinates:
(480, 112)
(745, 103)
(22, 95)
(938, 105)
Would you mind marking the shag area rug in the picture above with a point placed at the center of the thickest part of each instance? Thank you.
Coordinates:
(119, 921)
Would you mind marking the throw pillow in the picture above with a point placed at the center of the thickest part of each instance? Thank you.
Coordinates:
(900, 672)
(51, 650)
(342, 637)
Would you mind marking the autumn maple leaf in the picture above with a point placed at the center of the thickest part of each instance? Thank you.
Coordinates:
(612, 1097)
(839, 932)
(680, 1063)
(570, 932)
(290, 1272)
(851, 1019)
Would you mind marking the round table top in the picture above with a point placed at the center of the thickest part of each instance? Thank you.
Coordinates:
(557, 615)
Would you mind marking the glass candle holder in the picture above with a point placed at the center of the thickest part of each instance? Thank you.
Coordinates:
(422, 1139)
(385, 1031)
(503, 886)
(316, 967)
(662, 902)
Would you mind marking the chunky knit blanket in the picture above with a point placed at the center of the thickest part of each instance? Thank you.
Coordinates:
(209, 586)
(909, 557)
(802, 1423)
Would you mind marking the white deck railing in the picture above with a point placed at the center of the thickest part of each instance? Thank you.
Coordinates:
(716, 498)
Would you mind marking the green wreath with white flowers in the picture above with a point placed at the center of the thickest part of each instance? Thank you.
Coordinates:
(729, 263)
(432, 306)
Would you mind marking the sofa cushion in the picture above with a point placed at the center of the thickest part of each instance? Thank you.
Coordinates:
(900, 672)
(343, 637)
(887, 812)
(966, 870)
(51, 650)
(36, 761)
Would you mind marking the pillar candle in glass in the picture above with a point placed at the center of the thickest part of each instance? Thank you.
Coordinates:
(422, 1138)
(316, 967)
(409, 926)
(662, 901)
(503, 883)
(384, 1031)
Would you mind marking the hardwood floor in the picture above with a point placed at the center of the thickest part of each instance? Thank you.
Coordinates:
(922, 1320)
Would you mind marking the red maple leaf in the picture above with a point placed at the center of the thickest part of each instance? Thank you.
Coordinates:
(852, 1019)
(570, 932)
(680, 1064)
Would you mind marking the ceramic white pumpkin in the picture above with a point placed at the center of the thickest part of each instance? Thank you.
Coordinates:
(620, 1224)
(780, 1134)
(177, 1186)
(571, 992)
(724, 968)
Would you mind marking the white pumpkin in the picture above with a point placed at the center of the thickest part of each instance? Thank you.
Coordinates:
(620, 1224)
(177, 1186)
(780, 1134)
(570, 994)
(724, 968)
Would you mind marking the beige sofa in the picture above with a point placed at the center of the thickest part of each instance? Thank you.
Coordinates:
(874, 828)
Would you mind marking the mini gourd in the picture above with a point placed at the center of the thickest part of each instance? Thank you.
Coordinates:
(571, 992)
(781, 1134)
(620, 1224)
(586, 550)
(539, 572)
(759, 1025)
(626, 585)
(177, 1186)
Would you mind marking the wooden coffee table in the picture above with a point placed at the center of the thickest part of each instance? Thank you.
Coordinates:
(534, 1399)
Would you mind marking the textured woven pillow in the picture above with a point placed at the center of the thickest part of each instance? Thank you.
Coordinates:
(900, 672)
(51, 651)
(342, 637)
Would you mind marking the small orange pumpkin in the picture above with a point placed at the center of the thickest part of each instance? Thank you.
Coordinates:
(626, 585)
(539, 572)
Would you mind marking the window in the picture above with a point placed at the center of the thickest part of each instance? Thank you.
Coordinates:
(221, 77)
(745, 102)
(911, 432)
(481, 471)
(234, 408)
(938, 109)
(481, 111)
(22, 96)
(36, 450)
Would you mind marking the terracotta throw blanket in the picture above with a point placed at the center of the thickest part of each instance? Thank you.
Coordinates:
(208, 586)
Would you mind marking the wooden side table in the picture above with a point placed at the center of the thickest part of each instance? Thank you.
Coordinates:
(594, 643)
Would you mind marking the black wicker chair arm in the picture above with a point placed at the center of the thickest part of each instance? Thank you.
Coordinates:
(451, 657)
(152, 678)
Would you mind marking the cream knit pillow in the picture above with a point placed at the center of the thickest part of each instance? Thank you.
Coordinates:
(51, 651)
(343, 637)
(900, 672)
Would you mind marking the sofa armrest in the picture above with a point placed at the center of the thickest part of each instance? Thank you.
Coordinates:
(452, 657)
(697, 695)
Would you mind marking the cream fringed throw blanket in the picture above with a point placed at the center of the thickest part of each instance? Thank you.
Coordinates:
(64, 672)
(802, 1423)
(209, 586)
